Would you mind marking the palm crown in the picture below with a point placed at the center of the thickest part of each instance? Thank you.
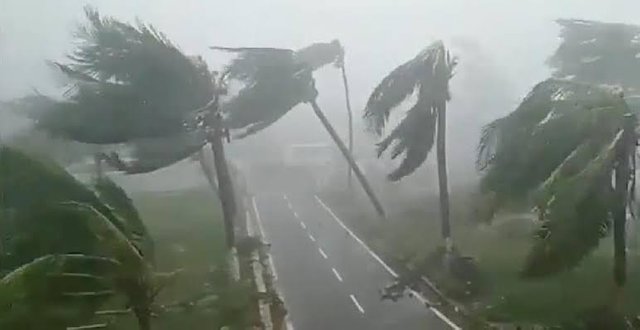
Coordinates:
(560, 149)
(428, 73)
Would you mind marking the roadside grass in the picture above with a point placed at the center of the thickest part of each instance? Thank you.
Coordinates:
(188, 234)
(412, 231)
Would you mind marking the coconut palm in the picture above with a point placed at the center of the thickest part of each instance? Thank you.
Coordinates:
(45, 211)
(569, 150)
(276, 80)
(598, 52)
(345, 83)
(130, 85)
(56, 292)
(428, 73)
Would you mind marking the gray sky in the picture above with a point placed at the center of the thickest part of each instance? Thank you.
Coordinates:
(507, 40)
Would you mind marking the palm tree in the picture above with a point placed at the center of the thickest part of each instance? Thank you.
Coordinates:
(276, 80)
(569, 149)
(345, 83)
(428, 73)
(47, 214)
(45, 294)
(130, 85)
(599, 53)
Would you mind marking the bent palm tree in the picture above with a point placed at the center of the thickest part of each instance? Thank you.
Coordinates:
(130, 85)
(598, 52)
(45, 211)
(569, 149)
(345, 83)
(428, 73)
(276, 80)
(56, 292)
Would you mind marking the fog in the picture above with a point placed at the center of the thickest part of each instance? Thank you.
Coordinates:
(502, 47)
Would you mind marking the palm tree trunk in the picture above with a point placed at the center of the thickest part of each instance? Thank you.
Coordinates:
(226, 194)
(225, 185)
(443, 181)
(144, 318)
(205, 166)
(622, 175)
(350, 114)
(98, 166)
(352, 163)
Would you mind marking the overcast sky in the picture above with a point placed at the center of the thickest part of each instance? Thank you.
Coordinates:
(508, 40)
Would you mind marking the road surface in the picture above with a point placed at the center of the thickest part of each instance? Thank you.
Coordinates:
(330, 279)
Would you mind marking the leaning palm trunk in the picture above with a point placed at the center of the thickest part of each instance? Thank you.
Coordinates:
(225, 183)
(207, 170)
(349, 157)
(622, 175)
(442, 175)
(350, 115)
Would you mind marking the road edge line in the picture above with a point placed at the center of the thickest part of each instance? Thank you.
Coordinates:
(418, 295)
(274, 273)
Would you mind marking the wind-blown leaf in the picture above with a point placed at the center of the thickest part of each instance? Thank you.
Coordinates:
(55, 292)
(133, 277)
(550, 123)
(276, 80)
(29, 184)
(429, 72)
(576, 216)
(128, 82)
(597, 52)
(149, 155)
(393, 90)
(414, 136)
(558, 150)
(116, 198)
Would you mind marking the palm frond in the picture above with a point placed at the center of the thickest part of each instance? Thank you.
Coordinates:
(276, 80)
(258, 64)
(30, 184)
(523, 149)
(415, 136)
(116, 198)
(128, 82)
(113, 241)
(489, 138)
(576, 215)
(149, 155)
(429, 72)
(263, 103)
(55, 292)
(598, 52)
(431, 68)
(320, 54)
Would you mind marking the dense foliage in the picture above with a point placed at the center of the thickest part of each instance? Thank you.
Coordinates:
(428, 74)
(127, 84)
(274, 81)
(559, 150)
(597, 52)
(53, 226)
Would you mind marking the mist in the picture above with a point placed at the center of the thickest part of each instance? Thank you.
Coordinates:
(499, 43)
(293, 199)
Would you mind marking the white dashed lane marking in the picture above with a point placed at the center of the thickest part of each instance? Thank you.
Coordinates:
(355, 302)
(335, 272)
(417, 295)
(324, 255)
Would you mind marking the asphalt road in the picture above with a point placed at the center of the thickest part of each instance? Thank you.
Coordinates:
(330, 279)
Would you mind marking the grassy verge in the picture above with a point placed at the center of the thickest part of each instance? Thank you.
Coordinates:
(188, 234)
(412, 232)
